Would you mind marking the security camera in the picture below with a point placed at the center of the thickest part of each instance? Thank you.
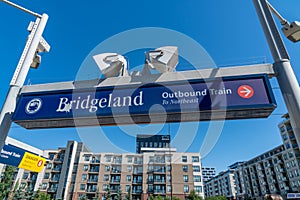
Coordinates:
(163, 59)
(292, 32)
(36, 61)
(111, 64)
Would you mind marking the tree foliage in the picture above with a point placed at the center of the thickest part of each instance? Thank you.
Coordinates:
(216, 198)
(194, 196)
(6, 181)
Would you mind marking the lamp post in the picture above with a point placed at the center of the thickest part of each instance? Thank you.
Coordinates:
(285, 75)
(29, 58)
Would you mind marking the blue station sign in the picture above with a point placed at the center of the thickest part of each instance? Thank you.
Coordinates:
(176, 101)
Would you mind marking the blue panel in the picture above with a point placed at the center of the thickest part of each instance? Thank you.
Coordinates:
(227, 94)
(11, 155)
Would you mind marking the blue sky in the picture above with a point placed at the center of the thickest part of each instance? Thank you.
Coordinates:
(228, 30)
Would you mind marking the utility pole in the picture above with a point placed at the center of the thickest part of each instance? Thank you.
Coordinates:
(35, 44)
(285, 75)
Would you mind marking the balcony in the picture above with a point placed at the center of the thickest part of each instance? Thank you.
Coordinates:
(115, 181)
(91, 190)
(94, 170)
(116, 171)
(159, 191)
(93, 180)
(52, 189)
(138, 181)
(137, 172)
(137, 191)
(54, 179)
(56, 169)
(159, 171)
(159, 181)
(58, 160)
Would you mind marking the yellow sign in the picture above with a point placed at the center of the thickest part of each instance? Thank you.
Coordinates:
(32, 162)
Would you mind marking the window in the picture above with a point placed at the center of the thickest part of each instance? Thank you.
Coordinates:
(185, 168)
(151, 159)
(282, 129)
(47, 175)
(169, 188)
(285, 137)
(287, 145)
(128, 178)
(86, 158)
(85, 167)
(197, 178)
(184, 158)
(25, 175)
(107, 168)
(49, 166)
(195, 159)
(23, 185)
(82, 186)
(51, 156)
(44, 186)
(196, 168)
(169, 168)
(104, 187)
(291, 155)
(127, 189)
(129, 159)
(185, 178)
(169, 178)
(198, 189)
(168, 158)
(83, 177)
(185, 188)
(129, 168)
(105, 177)
(108, 158)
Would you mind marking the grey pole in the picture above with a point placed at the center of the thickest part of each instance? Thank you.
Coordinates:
(285, 75)
(19, 76)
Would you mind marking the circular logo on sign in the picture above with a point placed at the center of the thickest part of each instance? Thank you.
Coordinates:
(40, 163)
(33, 106)
(245, 91)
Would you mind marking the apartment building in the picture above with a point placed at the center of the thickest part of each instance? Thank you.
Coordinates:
(276, 171)
(208, 173)
(142, 175)
(72, 172)
(151, 141)
(58, 175)
(221, 185)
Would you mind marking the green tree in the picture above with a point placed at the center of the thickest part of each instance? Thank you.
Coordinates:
(108, 195)
(194, 196)
(97, 194)
(6, 181)
(216, 198)
(119, 195)
(128, 195)
(17, 192)
(38, 195)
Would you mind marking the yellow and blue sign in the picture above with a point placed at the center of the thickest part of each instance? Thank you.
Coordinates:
(20, 158)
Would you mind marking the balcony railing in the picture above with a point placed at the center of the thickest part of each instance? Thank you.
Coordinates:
(91, 190)
(93, 180)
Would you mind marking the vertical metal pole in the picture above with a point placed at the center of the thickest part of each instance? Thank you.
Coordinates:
(19, 76)
(285, 75)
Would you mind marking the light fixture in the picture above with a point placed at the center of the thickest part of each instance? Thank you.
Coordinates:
(36, 61)
(111, 64)
(163, 59)
(290, 30)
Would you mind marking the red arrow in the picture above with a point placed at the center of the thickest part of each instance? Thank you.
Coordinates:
(245, 91)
